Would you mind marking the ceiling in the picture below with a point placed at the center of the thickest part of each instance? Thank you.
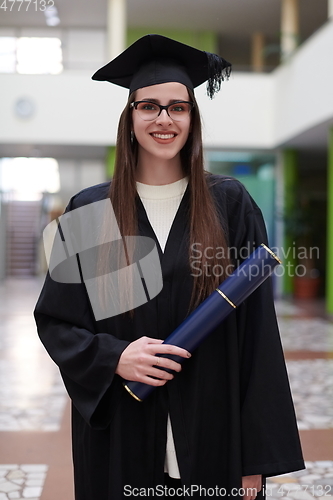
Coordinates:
(313, 138)
(231, 18)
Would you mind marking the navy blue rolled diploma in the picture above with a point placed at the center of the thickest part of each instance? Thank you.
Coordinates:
(213, 310)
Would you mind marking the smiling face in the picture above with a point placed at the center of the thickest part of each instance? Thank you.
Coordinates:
(162, 138)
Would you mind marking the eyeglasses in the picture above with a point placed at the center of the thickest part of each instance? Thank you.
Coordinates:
(149, 111)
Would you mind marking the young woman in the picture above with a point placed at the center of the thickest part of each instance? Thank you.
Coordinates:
(225, 419)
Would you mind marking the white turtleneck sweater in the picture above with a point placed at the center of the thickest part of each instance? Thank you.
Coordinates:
(161, 204)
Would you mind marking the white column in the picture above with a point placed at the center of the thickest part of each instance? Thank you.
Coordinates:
(289, 27)
(116, 27)
(258, 46)
(330, 9)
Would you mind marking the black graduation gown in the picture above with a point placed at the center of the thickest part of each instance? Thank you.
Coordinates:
(231, 409)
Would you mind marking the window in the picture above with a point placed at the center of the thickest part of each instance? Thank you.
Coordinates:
(28, 178)
(31, 55)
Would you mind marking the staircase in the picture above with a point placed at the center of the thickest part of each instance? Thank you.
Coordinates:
(22, 238)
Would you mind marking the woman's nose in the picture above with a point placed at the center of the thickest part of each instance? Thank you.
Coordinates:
(163, 117)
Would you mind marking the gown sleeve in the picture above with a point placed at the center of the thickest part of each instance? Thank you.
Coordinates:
(270, 439)
(87, 358)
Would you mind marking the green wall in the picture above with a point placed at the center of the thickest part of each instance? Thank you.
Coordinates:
(262, 191)
(329, 263)
(203, 40)
(109, 161)
(290, 174)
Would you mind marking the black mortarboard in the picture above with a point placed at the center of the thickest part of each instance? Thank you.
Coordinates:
(155, 59)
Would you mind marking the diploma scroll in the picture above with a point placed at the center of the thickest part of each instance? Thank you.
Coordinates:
(213, 310)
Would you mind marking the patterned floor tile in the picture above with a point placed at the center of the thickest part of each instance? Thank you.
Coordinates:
(311, 384)
(316, 481)
(311, 334)
(32, 395)
(22, 482)
(286, 308)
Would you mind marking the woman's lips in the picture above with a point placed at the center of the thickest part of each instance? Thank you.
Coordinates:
(163, 138)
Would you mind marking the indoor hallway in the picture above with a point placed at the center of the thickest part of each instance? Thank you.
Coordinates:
(35, 455)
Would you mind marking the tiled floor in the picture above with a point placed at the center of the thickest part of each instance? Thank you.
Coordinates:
(22, 481)
(311, 383)
(35, 460)
(312, 334)
(27, 400)
(315, 481)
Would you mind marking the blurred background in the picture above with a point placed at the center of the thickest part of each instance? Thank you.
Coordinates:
(271, 127)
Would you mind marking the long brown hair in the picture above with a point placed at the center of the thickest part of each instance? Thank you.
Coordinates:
(205, 226)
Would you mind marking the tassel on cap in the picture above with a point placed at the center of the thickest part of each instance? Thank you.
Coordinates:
(218, 71)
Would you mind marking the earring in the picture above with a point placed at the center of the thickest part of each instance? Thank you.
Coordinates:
(132, 137)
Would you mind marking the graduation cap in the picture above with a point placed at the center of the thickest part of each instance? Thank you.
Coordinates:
(155, 59)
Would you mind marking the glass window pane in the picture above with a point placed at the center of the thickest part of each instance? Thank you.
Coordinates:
(27, 178)
(39, 55)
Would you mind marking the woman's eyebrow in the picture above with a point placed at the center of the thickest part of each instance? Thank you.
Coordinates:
(157, 101)
(150, 100)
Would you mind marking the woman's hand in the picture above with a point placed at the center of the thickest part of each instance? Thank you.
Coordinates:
(138, 362)
(252, 485)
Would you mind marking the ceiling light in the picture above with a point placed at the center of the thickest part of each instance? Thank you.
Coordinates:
(52, 16)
